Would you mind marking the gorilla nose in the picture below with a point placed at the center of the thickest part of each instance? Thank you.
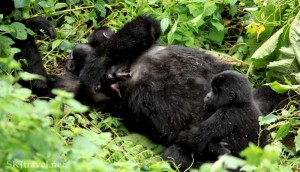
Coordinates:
(206, 98)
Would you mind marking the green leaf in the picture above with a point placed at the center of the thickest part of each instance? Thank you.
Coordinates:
(66, 46)
(84, 145)
(41, 107)
(76, 106)
(205, 167)
(231, 2)
(233, 10)
(4, 47)
(73, 1)
(22, 93)
(67, 133)
(283, 130)
(21, 3)
(26, 76)
(7, 28)
(252, 154)
(171, 33)
(21, 30)
(209, 8)
(295, 36)
(232, 162)
(100, 6)
(280, 88)
(60, 5)
(145, 141)
(69, 20)
(56, 43)
(297, 76)
(287, 51)
(216, 36)
(268, 47)
(62, 93)
(217, 25)
(164, 23)
(267, 119)
(281, 69)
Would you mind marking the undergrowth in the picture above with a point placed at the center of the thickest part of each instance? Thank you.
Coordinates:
(261, 38)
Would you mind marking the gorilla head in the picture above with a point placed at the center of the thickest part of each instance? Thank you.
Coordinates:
(228, 87)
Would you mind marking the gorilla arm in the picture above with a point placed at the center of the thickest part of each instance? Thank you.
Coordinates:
(134, 38)
(216, 126)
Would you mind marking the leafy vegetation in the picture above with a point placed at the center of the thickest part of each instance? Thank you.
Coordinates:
(261, 38)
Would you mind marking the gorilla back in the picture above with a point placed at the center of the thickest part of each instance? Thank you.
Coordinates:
(166, 90)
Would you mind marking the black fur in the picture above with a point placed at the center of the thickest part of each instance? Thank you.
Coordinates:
(230, 128)
(268, 100)
(127, 44)
(166, 90)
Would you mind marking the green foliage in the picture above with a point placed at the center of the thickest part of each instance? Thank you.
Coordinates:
(189, 23)
(60, 134)
(256, 159)
(272, 41)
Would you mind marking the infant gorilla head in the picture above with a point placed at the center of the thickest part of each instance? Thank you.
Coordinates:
(228, 87)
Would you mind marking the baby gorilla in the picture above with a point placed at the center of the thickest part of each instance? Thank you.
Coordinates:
(106, 58)
(230, 128)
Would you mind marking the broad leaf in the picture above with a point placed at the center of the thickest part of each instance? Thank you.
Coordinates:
(21, 3)
(21, 30)
(295, 36)
(164, 23)
(268, 47)
(279, 88)
(267, 119)
(283, 130)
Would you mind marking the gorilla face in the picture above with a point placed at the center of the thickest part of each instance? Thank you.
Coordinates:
(77, 58)
(228, 87)
(104, 89)
(99, 38)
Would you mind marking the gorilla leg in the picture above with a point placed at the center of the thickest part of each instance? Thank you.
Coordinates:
(180, 157)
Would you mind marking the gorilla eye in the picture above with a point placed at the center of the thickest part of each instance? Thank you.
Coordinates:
(97, 87)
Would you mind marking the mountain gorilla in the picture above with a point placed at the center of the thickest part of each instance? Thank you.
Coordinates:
(30, 53)
(230, 128)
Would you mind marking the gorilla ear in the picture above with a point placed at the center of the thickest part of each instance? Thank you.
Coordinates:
(232, 95)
